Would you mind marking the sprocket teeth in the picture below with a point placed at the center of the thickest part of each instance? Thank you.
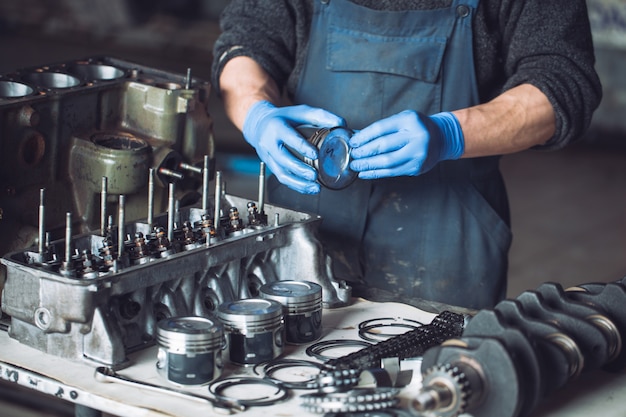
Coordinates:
(453, 378)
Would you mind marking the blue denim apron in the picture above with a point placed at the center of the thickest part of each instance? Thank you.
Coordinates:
(442, 236)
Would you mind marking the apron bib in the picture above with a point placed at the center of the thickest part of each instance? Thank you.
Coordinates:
(442, 236)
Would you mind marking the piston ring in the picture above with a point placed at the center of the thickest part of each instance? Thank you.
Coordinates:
(274, 366)
(316, 349)
(366, 327)
(219, 386)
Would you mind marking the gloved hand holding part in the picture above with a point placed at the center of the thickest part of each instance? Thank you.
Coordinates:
(270, 130)
(406, 144)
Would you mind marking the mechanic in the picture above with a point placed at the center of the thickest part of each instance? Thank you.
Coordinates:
(436, 91)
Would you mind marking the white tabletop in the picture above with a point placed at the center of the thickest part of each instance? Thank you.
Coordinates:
(599, 393)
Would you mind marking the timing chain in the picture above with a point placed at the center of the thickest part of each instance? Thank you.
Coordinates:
(414, 343)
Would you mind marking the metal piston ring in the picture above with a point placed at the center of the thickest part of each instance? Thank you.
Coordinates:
(272, 367)
(219, 386)
(367, 327)
(316, 349)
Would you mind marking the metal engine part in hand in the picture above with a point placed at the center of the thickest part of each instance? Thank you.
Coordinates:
(333, 162)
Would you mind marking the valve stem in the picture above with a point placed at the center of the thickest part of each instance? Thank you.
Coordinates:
(103, 205)
(150, 199)
(205, 184)
(218, 197)
(42, 221)
(171, 211)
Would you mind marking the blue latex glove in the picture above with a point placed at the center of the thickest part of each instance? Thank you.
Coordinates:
(270, 130)
(406, 144)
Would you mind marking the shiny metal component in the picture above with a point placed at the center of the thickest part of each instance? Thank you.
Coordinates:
(188, 79)
(372, 330)
(96, 71)
(255, 331)
(67, 267)
(171, 211)
(261, 202)
(104, 190)
(205, 184)
(121, 221)
(252, 397)
(273, 367)
(445, 393)
(302, 307)
(12, 89)
(187, 167)
(333, 158)
(610, 330)
(190, 350)
(42, 221)
(217, 213)
(171, 173)
(51, 80)
(150, 218)
(568, 346)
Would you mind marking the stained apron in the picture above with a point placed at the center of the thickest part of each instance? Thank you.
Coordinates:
(443, 236)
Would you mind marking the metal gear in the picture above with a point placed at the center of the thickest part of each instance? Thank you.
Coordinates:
(445, 392)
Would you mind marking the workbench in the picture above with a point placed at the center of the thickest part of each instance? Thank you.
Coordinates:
(597, 393)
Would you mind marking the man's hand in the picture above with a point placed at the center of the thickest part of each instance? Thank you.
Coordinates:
(406, 144)
(270, 130)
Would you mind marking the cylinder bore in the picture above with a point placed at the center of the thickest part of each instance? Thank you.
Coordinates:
(118, 141)
(96, 72)
(49, 79)
(121, 157)
(12, 89)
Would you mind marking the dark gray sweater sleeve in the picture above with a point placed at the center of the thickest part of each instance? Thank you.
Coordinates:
(267, 31)
(548, 44)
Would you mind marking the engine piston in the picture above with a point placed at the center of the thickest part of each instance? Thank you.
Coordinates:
(190, 350)
(302, 306)
(255, 330)
(333, 161)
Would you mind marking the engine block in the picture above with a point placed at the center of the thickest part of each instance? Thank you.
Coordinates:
(64, 126)
(130, 143)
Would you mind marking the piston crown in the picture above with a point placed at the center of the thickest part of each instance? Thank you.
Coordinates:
(185, 334)
(292, 292)
(249, 311)
(333, 163)
(333, 156)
